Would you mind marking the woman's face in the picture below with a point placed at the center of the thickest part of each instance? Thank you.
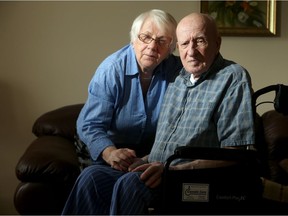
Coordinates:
(151, 47)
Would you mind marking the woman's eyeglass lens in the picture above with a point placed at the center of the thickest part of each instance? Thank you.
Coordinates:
(147, 39)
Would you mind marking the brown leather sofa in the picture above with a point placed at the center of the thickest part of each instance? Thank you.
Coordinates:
(49, 166)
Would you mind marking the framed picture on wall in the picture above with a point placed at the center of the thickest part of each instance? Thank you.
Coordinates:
(243, 18)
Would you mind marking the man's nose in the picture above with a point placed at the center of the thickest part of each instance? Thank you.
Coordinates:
(192, 48)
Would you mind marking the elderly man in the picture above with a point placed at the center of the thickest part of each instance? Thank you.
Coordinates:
(208, 105)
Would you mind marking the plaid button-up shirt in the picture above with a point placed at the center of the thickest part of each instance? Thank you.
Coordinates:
(214, 112)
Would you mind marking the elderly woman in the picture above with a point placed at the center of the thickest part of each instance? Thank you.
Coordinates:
(118, 121)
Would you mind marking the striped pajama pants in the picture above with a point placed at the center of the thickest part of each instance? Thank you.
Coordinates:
(101, 190)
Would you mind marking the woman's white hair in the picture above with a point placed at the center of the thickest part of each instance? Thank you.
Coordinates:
(163, 20)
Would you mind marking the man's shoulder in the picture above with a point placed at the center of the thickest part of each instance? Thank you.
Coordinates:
(230, 68)
(232, 65)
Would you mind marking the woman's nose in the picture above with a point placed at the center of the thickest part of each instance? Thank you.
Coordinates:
(153, 44)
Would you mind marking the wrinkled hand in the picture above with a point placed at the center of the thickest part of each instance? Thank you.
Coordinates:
(119, 159)
(137, 162)
(152, 173)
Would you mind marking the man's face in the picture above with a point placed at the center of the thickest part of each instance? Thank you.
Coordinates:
(151, 47)
(197, 46)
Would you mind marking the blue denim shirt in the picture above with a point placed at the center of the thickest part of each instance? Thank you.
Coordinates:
(115, 112)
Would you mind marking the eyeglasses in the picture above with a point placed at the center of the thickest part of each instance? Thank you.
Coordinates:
(161, 41)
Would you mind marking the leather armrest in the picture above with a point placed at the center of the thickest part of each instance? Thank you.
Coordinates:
(49, 159)
(58, 122)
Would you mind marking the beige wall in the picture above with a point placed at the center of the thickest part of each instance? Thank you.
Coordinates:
(50, 50)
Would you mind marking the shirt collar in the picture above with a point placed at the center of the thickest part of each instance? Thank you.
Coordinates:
(133, 61)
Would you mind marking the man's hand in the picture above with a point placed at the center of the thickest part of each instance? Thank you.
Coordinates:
(152, 173)
(137, 162)
(119, 159)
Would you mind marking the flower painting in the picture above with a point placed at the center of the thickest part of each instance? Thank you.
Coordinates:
(250, 18)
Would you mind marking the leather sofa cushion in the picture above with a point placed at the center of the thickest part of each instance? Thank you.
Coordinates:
(40, 198)
(276, 134)
(284, 165)
(49, 159)
(58, 122)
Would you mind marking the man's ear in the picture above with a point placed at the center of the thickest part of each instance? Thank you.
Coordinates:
(177, 45)
(218, 42)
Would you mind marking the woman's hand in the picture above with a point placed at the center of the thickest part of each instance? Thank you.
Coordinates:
(119, 159)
